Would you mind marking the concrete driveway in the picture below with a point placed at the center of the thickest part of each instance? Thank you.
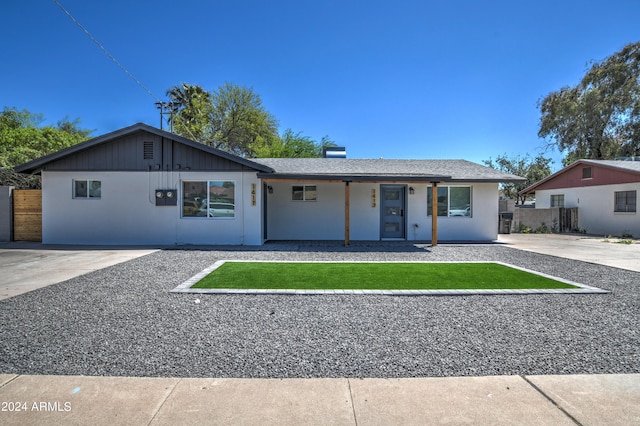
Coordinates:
(599, 250)
(28, 266)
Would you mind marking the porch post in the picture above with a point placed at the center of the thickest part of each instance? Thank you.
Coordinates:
(434, 214)
(346, 213)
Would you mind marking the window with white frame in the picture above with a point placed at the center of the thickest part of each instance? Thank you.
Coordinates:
(587, 173)
(209, 199)
(557, 200)
(453, 201)
(304, 193)
(86, 188)
(625, 202)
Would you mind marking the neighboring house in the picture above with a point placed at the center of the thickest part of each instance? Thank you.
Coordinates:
(142, 185)
(604, 191)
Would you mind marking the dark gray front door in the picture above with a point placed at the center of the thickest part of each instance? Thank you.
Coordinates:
(392, 211)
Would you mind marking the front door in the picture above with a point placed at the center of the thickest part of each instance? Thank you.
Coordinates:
(392, 211)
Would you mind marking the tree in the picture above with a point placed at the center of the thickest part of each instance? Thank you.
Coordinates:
(292, 145)
(192, 111)
(22, 139)
(231, 118)
(599, 118)
(240, 121)
(532, 169)
(73, 128)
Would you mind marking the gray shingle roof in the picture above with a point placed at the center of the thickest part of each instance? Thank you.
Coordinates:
(634, 166)
(346, 168)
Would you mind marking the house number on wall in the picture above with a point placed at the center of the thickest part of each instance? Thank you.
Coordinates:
(253, 194)
(373, 198)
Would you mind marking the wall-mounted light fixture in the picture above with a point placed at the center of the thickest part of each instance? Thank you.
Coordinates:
(411, 190)
(270, 189)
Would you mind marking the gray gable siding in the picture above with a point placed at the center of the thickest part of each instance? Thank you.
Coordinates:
(186, 156)
(127, 153)
(140, 148)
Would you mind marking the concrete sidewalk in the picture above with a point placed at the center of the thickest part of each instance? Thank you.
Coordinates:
(502, 400)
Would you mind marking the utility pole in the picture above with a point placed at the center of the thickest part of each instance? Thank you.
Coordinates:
(166, 108)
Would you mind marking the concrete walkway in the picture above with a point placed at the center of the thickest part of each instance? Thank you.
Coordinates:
(503, 400)
(539, 400)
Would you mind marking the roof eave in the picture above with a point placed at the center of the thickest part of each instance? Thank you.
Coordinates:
(37, 165)
(352, 177)
(376, 178)
(532, 188)
(492, 180)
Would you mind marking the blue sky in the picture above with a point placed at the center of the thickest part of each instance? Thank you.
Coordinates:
(401, 79)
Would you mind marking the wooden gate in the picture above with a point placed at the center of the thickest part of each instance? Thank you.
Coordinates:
(27, 215)
(568, 219)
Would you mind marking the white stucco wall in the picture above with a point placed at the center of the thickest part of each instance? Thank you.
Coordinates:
(481, 226)
(308, 220)
(126, 212)
(595, 208)
(324, 219)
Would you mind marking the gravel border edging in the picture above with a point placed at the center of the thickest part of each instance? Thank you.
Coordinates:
(186, 287)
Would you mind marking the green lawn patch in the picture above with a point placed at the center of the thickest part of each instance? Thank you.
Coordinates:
(374, 276)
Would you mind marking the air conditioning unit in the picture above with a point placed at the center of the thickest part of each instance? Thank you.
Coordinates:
(166, 197)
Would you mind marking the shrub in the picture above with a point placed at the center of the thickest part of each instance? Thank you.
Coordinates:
(543, 229)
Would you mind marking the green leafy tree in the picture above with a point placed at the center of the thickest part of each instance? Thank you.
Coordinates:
(292, 145)
(240, 121)
(532, 169)
(599, 118)
(22, 139)
(231, 118)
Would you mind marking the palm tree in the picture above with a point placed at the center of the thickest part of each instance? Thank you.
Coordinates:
(191, 106)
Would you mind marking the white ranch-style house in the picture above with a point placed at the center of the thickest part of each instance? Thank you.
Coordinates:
(141, 185)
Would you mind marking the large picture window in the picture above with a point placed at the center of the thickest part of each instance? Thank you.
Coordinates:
(625, 202)
(453, 201)
(84, 188)
(209, 199)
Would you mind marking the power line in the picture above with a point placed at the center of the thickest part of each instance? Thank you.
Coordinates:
(126, 71)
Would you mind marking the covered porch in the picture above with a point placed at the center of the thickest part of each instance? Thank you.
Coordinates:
(349, 208)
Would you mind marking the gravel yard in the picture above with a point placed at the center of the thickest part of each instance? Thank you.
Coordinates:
(122, 321)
